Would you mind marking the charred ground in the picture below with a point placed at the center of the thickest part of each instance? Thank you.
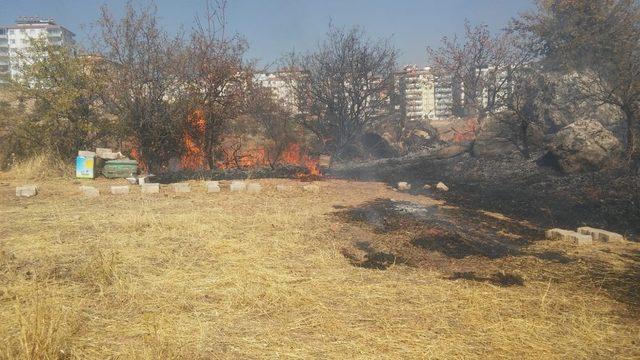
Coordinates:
(516, 187)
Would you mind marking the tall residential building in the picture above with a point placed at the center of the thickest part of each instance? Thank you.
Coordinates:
(421, 95)
(278, 83)
(15, 42)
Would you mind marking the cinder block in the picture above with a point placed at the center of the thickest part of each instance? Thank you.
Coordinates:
(403, 185)
(441, 186)
(119, 190)
(601, 235)
(150, 188)
(212, 186)
(27, 191)
(311, 188)
(89, 191)
(254, 188)
(561, 234)
(282, 187)
(237, 186)
(181, 187)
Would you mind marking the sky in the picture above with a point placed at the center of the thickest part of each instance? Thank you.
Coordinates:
(275, 27)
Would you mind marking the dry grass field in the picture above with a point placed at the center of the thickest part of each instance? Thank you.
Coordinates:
(284, 275)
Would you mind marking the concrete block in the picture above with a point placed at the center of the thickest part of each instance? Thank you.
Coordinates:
(238, 186)
(86, 153)
(212, 186)
(119, 190)
(442, 186)
(403, 185)
(181, 187)
(561, 234)
(150, 188)
(601, 235)
(254, 188)
(311, 188)
(27, 191)
(89, 191)
(282, 187)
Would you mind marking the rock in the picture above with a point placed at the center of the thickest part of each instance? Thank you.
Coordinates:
(212, 186)
(181, 187)
(27, 191)
(89, 191)
(150, 188)
(601, 235)
(492, 141)
(119, 190)
(403, 186)
(237, 186)
(282, 187)
(441, 186)
(450, 151)
(585, 145)
(427, 187)
(254, 188)
(311, 188)
(561, 234)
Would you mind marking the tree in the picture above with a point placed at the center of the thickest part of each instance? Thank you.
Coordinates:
(342, 87)
(598, 43)
(476, 68)
(64, 93)
(144, 90)
(523, 106)
(215, 78)
(277, 123)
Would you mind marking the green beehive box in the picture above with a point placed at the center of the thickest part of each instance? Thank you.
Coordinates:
(120, 168)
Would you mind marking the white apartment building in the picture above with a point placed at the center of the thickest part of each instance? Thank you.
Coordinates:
(278, 83)
(421, 95)
(15, 42)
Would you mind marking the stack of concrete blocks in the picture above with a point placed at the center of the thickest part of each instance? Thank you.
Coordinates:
(89, 191)
(150, 188)
(181, 187)
(254, 188)
(560, 234)
(601, 235)
(237, 186)
(107, 154)
(212, 186)
(119, 190)
(27, 191)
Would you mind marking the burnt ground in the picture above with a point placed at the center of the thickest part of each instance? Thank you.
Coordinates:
(518, 188)
(473, 245)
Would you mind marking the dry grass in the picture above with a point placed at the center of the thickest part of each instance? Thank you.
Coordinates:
(39, 167)
(260, 276)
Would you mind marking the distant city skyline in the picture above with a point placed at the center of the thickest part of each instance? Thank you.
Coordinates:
(275, 27)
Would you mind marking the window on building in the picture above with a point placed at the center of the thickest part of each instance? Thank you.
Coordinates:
(13, 41)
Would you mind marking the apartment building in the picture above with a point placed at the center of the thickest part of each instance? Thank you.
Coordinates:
(421, 95)
(279, 84)
(15, 42)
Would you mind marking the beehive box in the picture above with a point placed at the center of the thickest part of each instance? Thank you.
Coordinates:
(120, 168)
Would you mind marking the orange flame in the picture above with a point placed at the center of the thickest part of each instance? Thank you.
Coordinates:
(193, 158)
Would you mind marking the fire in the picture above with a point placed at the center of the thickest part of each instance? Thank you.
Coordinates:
(234, 157)
(193, 158)
(138, 157)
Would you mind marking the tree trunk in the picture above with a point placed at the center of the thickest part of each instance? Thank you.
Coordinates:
(524, 130)
(633, 134)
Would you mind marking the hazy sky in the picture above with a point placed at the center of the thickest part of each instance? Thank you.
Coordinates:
(274, 27)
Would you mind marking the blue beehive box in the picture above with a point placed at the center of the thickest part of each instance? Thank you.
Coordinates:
(85, 167)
